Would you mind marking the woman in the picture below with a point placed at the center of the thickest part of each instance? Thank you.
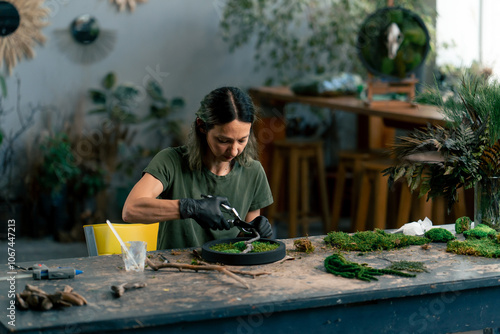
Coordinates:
(184, 187)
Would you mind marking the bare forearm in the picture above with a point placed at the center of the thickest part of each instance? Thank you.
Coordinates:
(150, 210)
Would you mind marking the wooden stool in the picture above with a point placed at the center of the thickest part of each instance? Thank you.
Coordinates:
(299, 154)
(374, 185)
(349, 167)
(413, 208)
(372, 181)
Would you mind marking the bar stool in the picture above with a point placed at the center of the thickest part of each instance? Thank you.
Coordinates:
(349, 167)
(373, 186)
(300, 156)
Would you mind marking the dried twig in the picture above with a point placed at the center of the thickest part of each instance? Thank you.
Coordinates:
(248, 243)
(119, 290)
(230, 272)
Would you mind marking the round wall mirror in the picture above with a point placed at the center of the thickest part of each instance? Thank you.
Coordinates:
(9, 18)
(85, 29)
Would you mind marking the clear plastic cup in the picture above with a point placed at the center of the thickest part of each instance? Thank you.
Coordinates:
(136, 257)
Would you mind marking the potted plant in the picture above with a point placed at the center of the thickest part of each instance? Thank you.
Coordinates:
(61, 186)
(465, 153)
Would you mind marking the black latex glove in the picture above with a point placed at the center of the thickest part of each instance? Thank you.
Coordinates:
(262, 225)
(206, 212)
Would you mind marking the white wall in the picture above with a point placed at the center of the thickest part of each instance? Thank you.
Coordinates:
(178, 39)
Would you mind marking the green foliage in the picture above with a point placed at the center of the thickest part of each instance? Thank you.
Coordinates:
(117, 101)
(462, 224)
(367, 241)
(238, 247)
(338, 265)
(480, 231)
(3, 86)
(161, 115)
(467, 149)
(439, 235)
(60, 168)
(297, 38)
(485, 247)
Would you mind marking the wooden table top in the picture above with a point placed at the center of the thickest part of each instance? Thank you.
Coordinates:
(172, 297)
(395, 111)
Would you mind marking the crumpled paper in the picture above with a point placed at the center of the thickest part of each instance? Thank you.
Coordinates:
(415, 228)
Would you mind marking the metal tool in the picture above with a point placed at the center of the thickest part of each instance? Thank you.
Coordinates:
(237, 221)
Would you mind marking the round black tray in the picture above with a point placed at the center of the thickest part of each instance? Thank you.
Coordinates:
(242, 259)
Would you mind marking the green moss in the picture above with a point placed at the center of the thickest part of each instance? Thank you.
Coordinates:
(439, 235)
(304, 245)
(413, 266)
(338, 265)
(480, 231)
(462, 224)
(238, 247)
(485, 247)
(367, 241)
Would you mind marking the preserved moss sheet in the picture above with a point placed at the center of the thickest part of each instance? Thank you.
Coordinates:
(368, 241)
(486, 247)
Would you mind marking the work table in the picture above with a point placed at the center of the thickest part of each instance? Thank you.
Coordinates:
(459, 293)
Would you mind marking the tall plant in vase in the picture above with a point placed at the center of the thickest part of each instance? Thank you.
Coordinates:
(466, 151)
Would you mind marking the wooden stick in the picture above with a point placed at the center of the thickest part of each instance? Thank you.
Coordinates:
(119, 290)
(230, 272)
(248, 243)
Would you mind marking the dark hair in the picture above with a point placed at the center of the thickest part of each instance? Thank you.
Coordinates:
(221, 106)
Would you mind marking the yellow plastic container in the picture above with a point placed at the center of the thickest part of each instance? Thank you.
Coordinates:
(107, 243)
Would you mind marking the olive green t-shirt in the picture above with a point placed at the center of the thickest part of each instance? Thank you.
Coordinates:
(246, 188)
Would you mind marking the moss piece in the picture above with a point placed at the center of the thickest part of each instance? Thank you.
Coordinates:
(338, 265)
(414, 266)
(480, 231)
(462, 224)
(439, 234)
(368, 241)
(485, 247)
(238, 247)
(304, 245)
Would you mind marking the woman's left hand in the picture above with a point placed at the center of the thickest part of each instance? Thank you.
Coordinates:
(262, 225)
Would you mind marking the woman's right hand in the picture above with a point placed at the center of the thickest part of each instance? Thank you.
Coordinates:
(206, 212)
